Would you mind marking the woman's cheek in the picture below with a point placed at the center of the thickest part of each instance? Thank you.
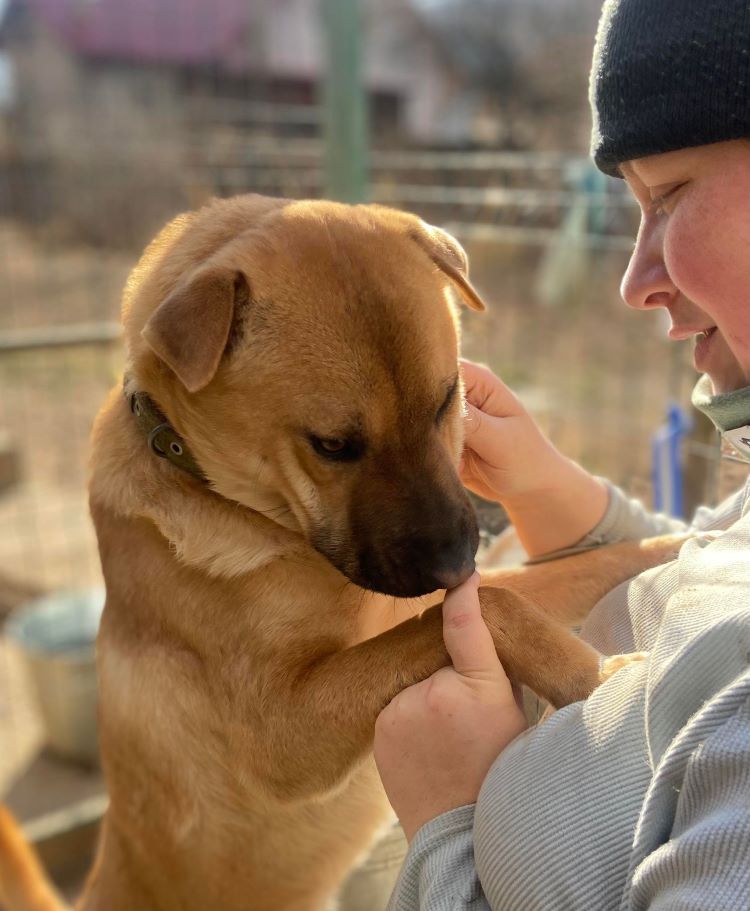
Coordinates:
(685, 257)
(709, 263)
(708, 259)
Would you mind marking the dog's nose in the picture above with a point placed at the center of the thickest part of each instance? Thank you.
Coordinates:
(446, 558)
(454, 564)
(423, 548)
(450, 578)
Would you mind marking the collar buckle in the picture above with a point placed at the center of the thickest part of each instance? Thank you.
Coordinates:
(161, 437)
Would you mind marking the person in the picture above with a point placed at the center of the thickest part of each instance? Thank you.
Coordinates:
(639, 796)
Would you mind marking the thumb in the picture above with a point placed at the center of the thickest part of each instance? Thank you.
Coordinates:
(467, 638)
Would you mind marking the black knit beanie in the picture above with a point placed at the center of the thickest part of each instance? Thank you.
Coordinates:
(668, 74)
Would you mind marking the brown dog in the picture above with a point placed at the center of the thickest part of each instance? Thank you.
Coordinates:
(296, 362)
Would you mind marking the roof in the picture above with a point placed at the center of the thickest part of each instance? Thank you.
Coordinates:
(185, 32)
(232, 36)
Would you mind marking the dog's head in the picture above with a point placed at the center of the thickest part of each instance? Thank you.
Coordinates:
(307, 352)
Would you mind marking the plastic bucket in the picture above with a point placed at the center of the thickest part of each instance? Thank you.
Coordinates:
(369, 886)
(56, 636)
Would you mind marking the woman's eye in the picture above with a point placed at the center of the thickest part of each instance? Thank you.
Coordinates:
(659, 203)
(335, 448)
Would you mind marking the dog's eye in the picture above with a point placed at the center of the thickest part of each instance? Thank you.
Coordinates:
(447, 401)
(335, 449)
(332, 446)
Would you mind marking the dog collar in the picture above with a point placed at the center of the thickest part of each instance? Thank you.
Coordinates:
(162, 438)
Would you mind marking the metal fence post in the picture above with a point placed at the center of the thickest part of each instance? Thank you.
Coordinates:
(667, 462)
(344, 101)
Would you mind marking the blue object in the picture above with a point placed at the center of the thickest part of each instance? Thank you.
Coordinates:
(666, 462)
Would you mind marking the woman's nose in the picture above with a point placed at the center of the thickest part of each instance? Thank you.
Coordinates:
(646, 282)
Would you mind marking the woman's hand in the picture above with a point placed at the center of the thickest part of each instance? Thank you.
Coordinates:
(435, 742)
(506, 456)
(550, 499)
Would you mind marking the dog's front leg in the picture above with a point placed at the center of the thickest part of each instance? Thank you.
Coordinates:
(568, 588)
(332, 700)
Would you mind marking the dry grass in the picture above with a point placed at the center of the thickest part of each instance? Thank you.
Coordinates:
(44, 284)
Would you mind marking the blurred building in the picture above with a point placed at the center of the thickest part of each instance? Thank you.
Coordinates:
(129, 71)
(118, 111)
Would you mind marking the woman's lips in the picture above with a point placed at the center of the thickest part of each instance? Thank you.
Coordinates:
(681, 333)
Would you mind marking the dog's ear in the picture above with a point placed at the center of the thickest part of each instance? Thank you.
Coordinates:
(190, 329)
(450, 257)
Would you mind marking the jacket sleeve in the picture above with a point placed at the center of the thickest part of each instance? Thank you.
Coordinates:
(438, 873)
(627, 519)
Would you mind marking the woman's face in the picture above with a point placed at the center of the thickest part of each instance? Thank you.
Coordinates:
(692, 256)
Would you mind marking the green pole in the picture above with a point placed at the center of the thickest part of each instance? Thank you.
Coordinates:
(344, 102)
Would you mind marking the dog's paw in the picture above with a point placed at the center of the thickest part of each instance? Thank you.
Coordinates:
(611, 664)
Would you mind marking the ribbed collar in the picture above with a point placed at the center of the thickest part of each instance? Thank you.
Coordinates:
(730, 412)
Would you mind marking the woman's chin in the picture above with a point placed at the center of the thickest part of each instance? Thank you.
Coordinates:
(729, 380)
(716, 359)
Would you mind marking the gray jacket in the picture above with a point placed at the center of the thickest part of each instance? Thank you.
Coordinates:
(639, 797)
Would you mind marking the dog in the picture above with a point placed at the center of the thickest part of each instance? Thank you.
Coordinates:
(278, 512)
